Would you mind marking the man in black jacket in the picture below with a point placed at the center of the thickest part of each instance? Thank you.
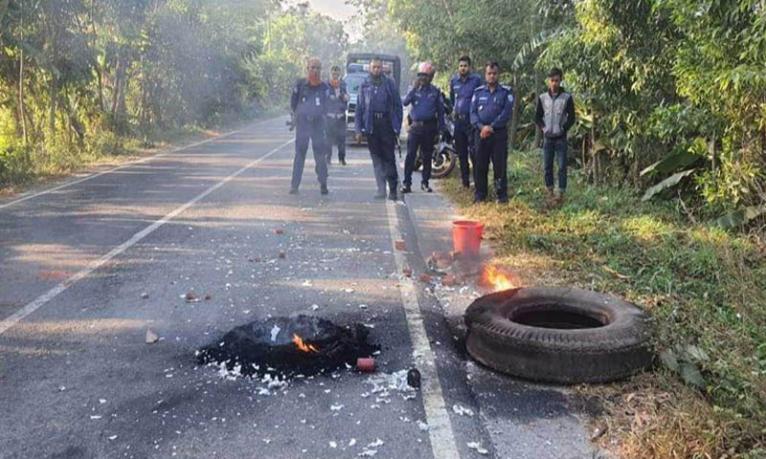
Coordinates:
(555, 115)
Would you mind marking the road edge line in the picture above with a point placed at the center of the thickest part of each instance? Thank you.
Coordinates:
(46, 297)
(440, 430)
(128, 164)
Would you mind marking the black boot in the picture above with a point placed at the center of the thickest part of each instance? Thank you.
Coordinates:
(424, 186)
(406, 189)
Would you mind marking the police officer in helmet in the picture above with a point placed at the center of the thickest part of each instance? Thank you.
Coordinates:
(427, 116)
(461, 88)
(378, 116)
(309, 103)
(491, 108)
(336, 116)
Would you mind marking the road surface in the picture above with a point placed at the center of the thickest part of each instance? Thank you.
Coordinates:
(88, 266)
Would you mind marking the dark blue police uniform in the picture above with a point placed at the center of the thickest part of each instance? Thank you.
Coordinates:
(427, 116)
(460, 94)
(310, 105)
(378, 116)
(336, 121)
(492, 108)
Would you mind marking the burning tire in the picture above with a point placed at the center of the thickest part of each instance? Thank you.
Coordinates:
(560, 335)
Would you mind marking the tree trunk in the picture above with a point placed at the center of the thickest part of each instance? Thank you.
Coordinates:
(22, 116)
(514, 117)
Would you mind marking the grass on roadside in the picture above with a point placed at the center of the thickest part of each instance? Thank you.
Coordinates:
(704, 287)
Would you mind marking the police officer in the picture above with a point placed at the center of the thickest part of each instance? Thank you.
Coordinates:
(336, 116)
(461, 88)
(379, 117)
(491, 107)
(427, 116)
(309, 103)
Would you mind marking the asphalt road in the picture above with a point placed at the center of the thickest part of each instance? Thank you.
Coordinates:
(88, 268)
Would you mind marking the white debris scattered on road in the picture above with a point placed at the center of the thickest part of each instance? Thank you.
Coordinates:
(352, 442)
(151, 336)
(95, 417)
(274, 332)
(314, 307)
(102, 401)
(307, 283)
(336, 407)
(423, 426)
(113, 437)
(362, 306)
(476, 446)
(383, 383)
(333, 444)
(377, 443)
(461, 410)
(368, 453)
(349, 290)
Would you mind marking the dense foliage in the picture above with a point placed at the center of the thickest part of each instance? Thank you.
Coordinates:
(670, 93)
(80, 77)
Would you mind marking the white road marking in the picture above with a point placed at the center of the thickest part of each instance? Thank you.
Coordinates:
(122, 166)
(36, 304)
(440, 428)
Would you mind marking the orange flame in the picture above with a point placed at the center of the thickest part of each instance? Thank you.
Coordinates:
(305, 347)
(497, 278)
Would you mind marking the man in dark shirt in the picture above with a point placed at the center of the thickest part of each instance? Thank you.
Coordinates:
(427, 116)
(336, 116)
(555, 115)
(461, 88)
(491, 108)
(378, 116)
(309, 103)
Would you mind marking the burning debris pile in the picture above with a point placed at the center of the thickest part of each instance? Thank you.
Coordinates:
(288, 346)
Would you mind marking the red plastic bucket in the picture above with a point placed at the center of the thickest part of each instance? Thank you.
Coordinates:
(466, 237)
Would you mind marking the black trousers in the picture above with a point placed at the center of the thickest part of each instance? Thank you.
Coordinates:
(336, 136)
(381, 143)
(423, 138)
(466, 149)
(492, 149)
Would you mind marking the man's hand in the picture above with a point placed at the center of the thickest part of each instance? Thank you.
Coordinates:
(486, 131)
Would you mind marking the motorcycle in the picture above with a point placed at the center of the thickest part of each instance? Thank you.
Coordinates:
(444, 156)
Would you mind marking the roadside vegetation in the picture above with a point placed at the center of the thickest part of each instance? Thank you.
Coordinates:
(667, 204)
(81, 80)
(704, 287)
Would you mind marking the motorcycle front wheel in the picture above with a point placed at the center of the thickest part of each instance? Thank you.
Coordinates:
(443, 162)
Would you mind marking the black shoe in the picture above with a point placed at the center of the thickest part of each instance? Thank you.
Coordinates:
(380, 195)
(406, 189)
(478, 200)
(324, 189)
(293, 190)
(343, 162)
(502, 200)
(393, 196)
(466, 185)
(426, 188)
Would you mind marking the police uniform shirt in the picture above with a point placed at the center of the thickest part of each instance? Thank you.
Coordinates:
(425, 102)
(337, 104)
(379, 101)
(461, 93)
(310, 101)
(491, 108)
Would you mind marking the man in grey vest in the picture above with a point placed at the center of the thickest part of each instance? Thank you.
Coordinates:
(555, 115)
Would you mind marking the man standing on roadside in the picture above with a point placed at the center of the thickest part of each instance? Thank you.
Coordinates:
(336, 116)
(555, 115)
(309, 104)
(378, 116)
(491, 108)
(427, 122)
(461, 88)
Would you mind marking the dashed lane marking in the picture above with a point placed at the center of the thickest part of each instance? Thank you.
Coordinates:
(19, 315)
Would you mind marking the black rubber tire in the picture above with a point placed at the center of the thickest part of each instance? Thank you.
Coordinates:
(445, 171)
(614, 351)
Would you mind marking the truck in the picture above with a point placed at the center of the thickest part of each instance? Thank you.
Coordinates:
(357, 70)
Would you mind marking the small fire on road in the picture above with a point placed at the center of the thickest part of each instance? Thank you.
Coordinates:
(499, 278)
(303, 346)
